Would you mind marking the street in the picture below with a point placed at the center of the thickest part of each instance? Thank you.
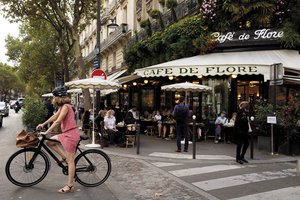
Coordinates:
(159, 177)
(45, 190)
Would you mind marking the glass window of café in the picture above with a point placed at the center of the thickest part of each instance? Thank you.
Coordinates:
(216, 100)
(148, 99)
(249, 90)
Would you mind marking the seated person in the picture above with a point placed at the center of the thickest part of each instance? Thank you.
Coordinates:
(220, 122)
(110, 126)
(131, 116)
(168, 122)
(86, 121)
(100, 118)
(147, 115)
(157, 117)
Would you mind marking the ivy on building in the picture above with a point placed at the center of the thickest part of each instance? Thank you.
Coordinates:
(192, 35)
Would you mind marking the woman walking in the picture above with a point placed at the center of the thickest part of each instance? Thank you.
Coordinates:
(69, 137)
(242, 128)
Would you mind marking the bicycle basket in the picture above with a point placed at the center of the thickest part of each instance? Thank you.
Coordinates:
(25, 139)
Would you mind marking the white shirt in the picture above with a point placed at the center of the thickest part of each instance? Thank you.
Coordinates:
(157, 117)
(111, 122)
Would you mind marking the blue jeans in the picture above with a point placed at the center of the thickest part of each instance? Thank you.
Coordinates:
(181, 130)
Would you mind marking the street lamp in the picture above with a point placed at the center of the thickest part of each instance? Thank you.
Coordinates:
(112, 24)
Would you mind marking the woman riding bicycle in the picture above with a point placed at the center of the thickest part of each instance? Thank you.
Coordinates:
(69, 137)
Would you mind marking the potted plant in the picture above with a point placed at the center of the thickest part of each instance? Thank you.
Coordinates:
(290, 117)
(262, 109)
(34, 113)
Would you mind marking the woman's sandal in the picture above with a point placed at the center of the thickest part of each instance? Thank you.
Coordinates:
(69, 189)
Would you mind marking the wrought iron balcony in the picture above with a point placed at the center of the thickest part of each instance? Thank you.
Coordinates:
(119, 32)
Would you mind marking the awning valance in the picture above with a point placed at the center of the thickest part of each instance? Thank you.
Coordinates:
(239, 63)
(128, 78)
(116, 75)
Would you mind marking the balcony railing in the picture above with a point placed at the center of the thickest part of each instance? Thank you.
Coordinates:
(119, 32)
(183, 9)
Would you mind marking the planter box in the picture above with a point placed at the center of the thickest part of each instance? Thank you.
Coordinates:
(264, 143)
(292, 149)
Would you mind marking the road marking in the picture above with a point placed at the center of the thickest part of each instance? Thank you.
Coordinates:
(290, 193)
(189, 156)
(243, 179)
(165, 164)
(203, 170)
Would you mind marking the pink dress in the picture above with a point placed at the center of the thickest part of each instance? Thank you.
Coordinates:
(70, 135)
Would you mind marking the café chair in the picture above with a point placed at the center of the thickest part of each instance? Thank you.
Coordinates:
(130, 135)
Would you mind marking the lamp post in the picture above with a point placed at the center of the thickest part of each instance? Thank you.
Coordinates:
(97, 52)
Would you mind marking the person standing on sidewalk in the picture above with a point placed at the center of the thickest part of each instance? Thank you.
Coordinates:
(181, 113)
(242, 128)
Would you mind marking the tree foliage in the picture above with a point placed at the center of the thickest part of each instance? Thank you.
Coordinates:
(36, 52)
(65, 17)
(9, 82)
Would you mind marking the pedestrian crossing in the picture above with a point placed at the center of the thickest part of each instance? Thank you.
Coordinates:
(188, 156)
(225, 181)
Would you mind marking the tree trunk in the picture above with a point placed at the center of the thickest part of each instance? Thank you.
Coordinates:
(82, 71)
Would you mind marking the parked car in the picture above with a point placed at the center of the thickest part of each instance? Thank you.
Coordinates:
(4, 110)
(1, 120)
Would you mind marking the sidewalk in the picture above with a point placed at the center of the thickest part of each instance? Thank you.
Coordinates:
(155, 148)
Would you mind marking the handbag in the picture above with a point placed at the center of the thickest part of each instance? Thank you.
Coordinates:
(25, 139)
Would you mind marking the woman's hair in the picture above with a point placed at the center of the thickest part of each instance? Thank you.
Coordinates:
(60, 101)
(110, 112)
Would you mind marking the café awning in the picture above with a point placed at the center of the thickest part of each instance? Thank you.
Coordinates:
(116, 75)
(228, 63)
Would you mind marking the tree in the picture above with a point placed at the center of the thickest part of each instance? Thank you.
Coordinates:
(248, 13)
(66, 17)
(36, 52)
(9, 81)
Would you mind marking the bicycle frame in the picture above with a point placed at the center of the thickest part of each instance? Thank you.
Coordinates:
(49, 151)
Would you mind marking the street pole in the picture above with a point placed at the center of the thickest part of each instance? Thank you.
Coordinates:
(98, 53)
(252, 140)
(138, 134)
(275, 101)
(194, 136)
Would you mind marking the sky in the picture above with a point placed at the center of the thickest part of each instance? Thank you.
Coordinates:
(6, 28)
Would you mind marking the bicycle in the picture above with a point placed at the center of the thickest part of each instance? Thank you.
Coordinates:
(30, 165)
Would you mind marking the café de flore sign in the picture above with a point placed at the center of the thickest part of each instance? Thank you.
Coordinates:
(203, 70)
(259, 37)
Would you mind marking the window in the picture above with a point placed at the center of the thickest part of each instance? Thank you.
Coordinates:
(148, 99)
(125, 15)
(217, 100)
(114, 59)
(106, 62)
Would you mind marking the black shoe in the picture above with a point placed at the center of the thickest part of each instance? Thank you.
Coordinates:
(244, 160)
(185, 150)
(178, 150)
(239, 161)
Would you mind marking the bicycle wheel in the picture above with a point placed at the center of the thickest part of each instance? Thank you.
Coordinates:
(21, 174)
(93, 168)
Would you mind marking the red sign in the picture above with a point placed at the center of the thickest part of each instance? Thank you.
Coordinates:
(98, 73)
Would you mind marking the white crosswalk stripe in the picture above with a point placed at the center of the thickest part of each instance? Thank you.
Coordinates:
(165, 164)
(231, 177)
(203, 170)
(189, 156)
(243, 179)
(290, 193)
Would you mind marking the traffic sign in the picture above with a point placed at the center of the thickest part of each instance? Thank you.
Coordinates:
(95, 63)
(99, 73)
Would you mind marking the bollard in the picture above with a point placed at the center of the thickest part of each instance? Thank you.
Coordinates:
(298, 167)
(194, 136)
(252, 140)
(138, 139)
